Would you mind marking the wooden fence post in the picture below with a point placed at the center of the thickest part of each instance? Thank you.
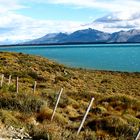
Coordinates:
(56, 103)
(84, 118)
(17, 85)
(2, 78)
(9, 80)
(34, 88)
(138, 136)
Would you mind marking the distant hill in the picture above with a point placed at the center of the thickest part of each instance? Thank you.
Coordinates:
(49, 38)
(125, 36)
(89, 36)
(135, 38)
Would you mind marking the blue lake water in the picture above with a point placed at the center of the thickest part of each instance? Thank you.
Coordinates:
(116, 57)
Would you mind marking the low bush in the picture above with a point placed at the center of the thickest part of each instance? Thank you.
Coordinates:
(21, 102)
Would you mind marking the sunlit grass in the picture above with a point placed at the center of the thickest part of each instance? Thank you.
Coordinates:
(115, 113)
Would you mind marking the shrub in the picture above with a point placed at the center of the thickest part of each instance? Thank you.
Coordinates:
(104, 81)
(46, 113)
(8, 118)
(39, 134)
(60, 78)
(99, 110)
(12, 88)
(114, 125)
(21, 102)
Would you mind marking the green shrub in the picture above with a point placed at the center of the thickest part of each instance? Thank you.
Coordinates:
(39, 134)
(21, 102)
(8, 118)
(60, 78)
(12, 88)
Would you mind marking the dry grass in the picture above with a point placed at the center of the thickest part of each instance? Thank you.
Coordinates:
(114, 115)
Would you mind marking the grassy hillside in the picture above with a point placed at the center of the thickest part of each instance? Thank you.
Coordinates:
(115, 114)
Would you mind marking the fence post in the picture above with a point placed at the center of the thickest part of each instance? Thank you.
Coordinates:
(17, 85)
(2, 78)
(138, 136)
(9, 80)
(84, 118)
(56, 103)
(34, 88)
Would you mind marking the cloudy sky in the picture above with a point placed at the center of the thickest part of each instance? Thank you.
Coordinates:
(29, 19)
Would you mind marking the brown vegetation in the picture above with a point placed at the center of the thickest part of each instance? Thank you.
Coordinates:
(115, 114)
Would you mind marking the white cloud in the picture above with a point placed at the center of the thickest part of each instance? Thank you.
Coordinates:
(14, 26)
(19, 27)
(109, 5)
(119, 16)
(116, 21)
(10, 5)
(122, 16)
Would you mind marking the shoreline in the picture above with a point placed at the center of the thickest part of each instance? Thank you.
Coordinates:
(76, 67)
(75, 43)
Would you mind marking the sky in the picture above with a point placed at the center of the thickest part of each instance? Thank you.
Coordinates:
(30, 19)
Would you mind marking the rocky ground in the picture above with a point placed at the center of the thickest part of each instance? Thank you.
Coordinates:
(11, 133)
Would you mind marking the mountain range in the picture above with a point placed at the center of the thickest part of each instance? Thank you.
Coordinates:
(89, 36)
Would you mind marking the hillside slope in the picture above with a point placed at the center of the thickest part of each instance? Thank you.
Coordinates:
(80, 36)
(89, 36)
(115, 113)
(125, 36)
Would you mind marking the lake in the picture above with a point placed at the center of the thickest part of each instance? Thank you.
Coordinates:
(116, 57)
